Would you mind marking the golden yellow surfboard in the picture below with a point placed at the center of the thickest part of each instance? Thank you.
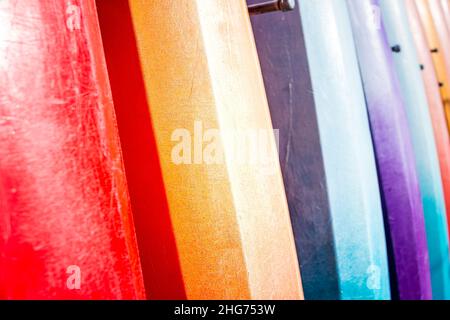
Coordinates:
(230, 220)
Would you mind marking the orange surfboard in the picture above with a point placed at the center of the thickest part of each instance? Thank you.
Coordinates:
(439, 47)
(434, 98)
(225, 223)
(442, 30)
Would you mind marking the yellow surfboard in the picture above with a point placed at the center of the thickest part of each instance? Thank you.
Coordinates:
(229, 217)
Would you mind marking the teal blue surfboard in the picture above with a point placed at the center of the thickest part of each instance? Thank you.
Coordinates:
(350, 170)
(406, 61)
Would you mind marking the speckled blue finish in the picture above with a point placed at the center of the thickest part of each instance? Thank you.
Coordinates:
(395, 19)
(350, 169)
(402, 203)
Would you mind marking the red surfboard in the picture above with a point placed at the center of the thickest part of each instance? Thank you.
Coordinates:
(66, 230)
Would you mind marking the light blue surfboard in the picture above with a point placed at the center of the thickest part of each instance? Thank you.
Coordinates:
(351, 176)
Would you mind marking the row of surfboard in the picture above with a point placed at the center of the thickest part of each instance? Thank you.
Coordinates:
(95, 96)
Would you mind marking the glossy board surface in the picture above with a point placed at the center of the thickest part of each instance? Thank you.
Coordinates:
(403, 210)
(395, 19)
(230, 221)
(349, 162)
(66, 230)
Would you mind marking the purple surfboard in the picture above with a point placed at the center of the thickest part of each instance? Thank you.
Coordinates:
(403, 210)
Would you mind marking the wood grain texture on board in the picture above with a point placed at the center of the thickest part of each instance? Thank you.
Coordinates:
(403, 209)
(434, 99)
(66, 230)
(230, 221)
(438, 51)
(395, 19)
(281, 48)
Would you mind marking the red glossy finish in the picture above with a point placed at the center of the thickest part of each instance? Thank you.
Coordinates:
(64, 207)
